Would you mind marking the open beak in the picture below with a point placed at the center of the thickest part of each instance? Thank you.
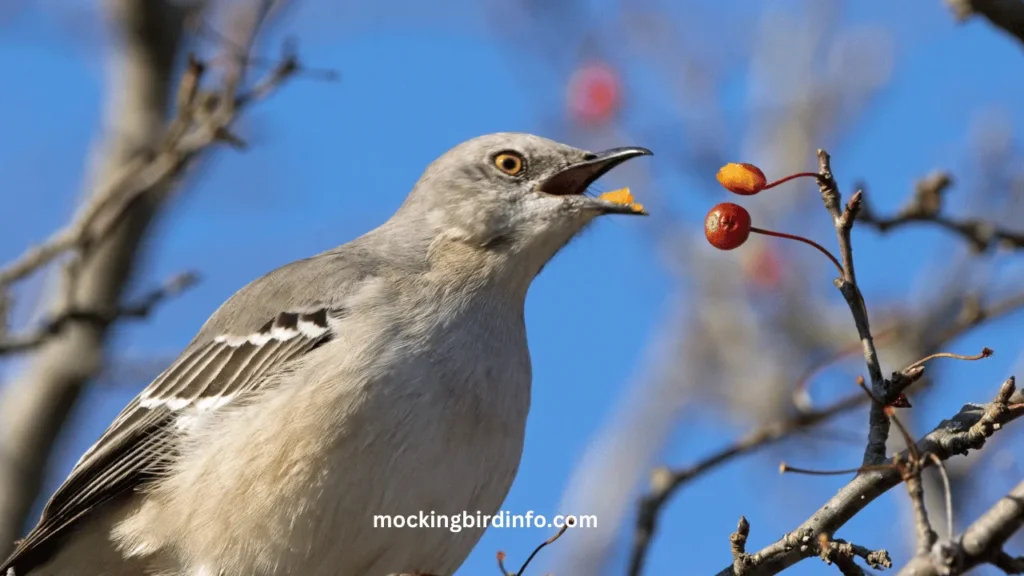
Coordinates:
(573, 180)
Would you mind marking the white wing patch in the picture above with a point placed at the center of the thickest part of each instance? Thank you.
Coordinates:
(212, 375)
(193, 382)
(301, 326)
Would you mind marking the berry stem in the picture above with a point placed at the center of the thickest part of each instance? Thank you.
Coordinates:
(791, 177)
(809, 242)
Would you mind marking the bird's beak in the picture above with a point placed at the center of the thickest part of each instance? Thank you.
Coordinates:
(574, 179)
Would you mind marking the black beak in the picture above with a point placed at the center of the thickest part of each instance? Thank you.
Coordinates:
(575, 178)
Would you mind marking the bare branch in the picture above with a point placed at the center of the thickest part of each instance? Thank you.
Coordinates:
(985, 353)
(925, 208)
(925, 533)
(192, 131)
(966, 431)
(666, 482)
(974, 314)
(982, 542)
(843, 220)
(36, 405)
(843, 554)
(947, 491)
(1008, 563)
(144, 157)
(541, 546)
(838, 552)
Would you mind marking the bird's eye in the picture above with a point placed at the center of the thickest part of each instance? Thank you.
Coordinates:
(509, 162)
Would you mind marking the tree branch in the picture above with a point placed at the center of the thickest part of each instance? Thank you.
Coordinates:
(925, 207)
(144, 157)
(967, 430)
(982, 542)
(35, 405)
(842, 220)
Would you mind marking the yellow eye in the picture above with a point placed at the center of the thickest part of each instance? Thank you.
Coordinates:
(509, 163)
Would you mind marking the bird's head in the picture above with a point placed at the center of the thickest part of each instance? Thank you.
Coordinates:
(515, 196)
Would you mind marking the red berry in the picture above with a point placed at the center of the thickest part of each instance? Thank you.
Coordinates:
(727, 226)
(593, 93)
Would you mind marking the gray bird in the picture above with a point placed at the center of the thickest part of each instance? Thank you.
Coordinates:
(389, 375)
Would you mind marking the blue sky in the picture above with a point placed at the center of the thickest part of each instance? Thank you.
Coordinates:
(329, 160)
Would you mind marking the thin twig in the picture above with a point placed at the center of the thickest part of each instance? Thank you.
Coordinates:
(522, 569)
(925, 207)
(947, 491)
(842, 219)
(982, 235)
(981, 542)
(985, 353)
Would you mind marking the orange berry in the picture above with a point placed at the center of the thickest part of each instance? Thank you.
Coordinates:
(727, 226)
(620, 196)
(744, 179)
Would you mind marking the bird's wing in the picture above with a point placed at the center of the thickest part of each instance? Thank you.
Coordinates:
(209, 375)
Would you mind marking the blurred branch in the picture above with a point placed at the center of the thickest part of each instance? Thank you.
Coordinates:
(967, 430)
(143, 158)
(974, 314)
(1005, 14)
(982, 542)
(203, 119)
(141, 308)
(925, 207)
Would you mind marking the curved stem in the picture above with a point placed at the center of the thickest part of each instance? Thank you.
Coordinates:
(809, 242)
(791, 177)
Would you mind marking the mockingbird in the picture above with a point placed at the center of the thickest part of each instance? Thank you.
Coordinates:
(389, 375)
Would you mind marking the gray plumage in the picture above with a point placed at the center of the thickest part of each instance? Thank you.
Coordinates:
(389, 375)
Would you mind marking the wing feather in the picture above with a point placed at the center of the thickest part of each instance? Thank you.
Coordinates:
(137, 446)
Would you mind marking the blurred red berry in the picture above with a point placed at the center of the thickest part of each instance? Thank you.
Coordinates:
(593, 93)
(727, 226)
(765, 268)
